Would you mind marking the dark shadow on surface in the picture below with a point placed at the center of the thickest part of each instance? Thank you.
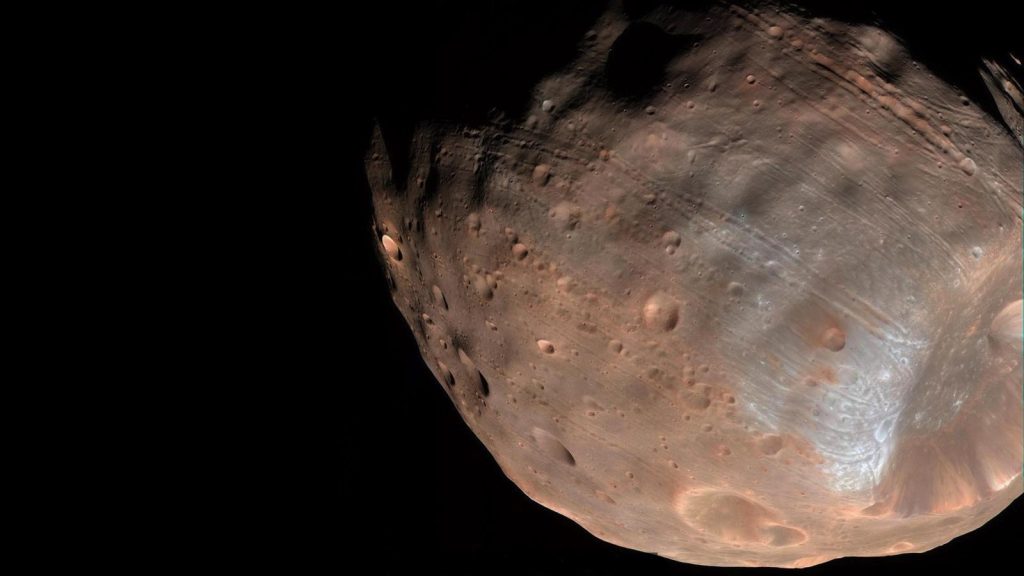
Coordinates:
(464, 62)
(637, 58)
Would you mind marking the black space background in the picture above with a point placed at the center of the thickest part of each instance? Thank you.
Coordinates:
(417, 489)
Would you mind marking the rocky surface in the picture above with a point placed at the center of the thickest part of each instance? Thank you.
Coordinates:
(739, 288)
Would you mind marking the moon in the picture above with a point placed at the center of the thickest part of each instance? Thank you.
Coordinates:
(739, 288)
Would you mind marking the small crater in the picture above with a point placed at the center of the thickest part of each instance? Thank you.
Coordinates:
(671, 239)
(1008, 326)
(439, 297)
(446, 374)
(781, 536)
(834, 339)
(485, 387)
(391, 248)
(770, 444)
(473, 222)
(901, 546)
(566, 215)
(474, 373)
(661, 312)
(483, 288)
(541, 174)
(968, 166)
(520, 251)
(552, 446)
(695, 401)
(592, 404)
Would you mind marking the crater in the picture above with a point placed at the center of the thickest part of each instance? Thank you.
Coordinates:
(770, 444)
(661, 312)
(728, 517)
(475, 376)
(552, 446)
(734, 519)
